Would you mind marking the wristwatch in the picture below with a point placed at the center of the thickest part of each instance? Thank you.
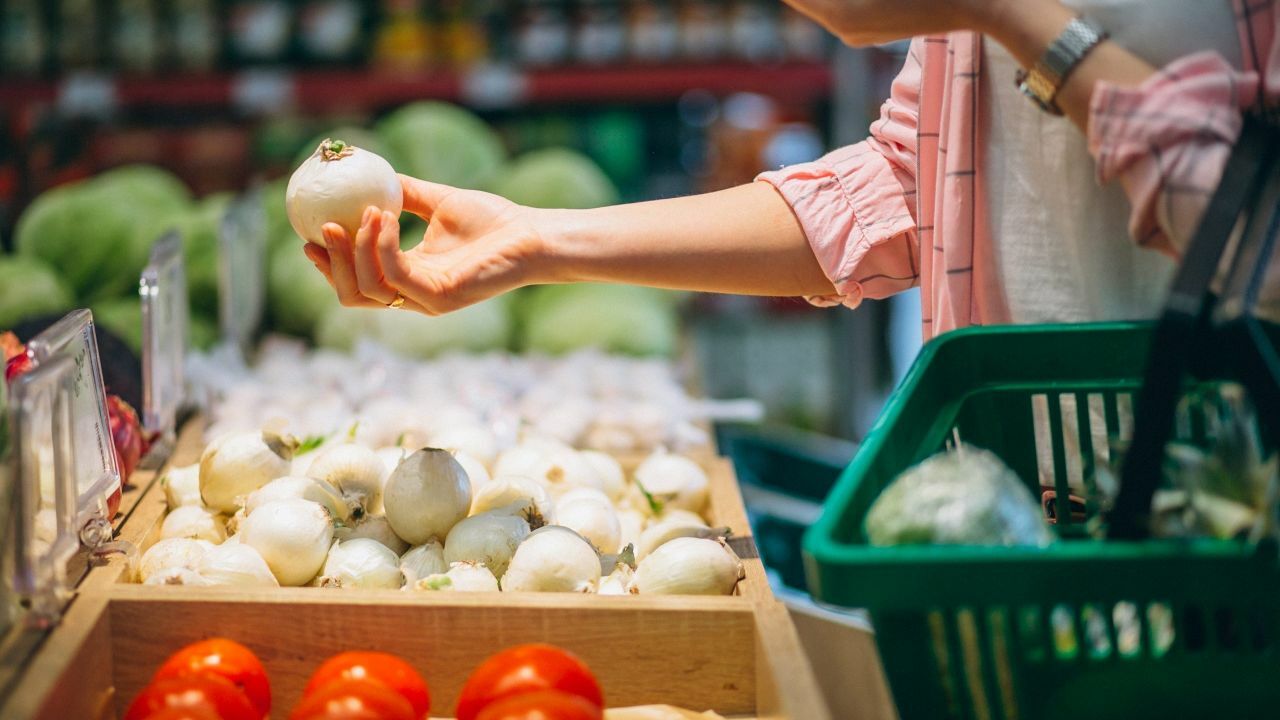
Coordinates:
(1043, 81)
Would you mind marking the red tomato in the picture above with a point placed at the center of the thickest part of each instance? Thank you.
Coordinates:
(354, 699)
(193, 692)
(380, 667)
(226, 659)
(541, 705)
(526, 668)
(187, 713)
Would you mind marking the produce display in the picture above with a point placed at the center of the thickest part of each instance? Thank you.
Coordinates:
(263, 510)
(221, 679)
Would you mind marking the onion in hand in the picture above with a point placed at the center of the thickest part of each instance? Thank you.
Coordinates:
(336, 184)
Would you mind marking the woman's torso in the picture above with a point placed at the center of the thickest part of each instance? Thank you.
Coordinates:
(1060, 241)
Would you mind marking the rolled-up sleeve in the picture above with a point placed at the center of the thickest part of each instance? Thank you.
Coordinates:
(1167, 142)
(857, 204)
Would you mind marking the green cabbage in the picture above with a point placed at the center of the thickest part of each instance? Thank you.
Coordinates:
(616, 318)
(555, 178)
(960, 497)
(477, 328)
(442, 143)
(98, 234)
(29, 288)
(148, 185)
(298, 295)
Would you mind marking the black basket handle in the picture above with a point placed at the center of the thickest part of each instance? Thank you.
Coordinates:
(1183, 326)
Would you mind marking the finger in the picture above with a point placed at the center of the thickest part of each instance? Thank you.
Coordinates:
(318, 257)
(342, 266)
(421, 197)
(369, 276)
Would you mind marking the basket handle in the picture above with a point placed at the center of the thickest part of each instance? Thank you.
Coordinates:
(1183, 324)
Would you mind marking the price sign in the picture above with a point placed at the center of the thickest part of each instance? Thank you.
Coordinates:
(41, 499)
(242, 270)
(95, 472)
(163, 289)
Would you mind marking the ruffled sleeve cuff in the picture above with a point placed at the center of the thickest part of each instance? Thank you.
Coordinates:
(850, 203)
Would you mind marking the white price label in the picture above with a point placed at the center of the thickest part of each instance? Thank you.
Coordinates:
(163, 289)
(87, 94)
(94, 465)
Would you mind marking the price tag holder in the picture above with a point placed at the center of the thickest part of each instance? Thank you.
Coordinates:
(94, 469)
(242, 271)
(40, 497)
(163, 291)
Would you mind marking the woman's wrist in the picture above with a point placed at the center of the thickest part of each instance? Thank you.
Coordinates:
(561, 246)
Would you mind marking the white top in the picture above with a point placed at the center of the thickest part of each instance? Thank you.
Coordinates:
(1061, 240)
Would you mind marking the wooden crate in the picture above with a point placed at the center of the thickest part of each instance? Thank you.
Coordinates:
(740, 659)
(146, 514)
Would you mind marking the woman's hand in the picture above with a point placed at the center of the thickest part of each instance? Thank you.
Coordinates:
(477, 245)
(870, 22)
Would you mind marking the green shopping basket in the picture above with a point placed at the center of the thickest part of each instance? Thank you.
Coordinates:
(1083, 628)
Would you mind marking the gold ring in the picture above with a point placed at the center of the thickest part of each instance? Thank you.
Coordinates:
(397, 303)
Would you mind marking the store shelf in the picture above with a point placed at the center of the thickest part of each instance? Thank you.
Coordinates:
(800, 82)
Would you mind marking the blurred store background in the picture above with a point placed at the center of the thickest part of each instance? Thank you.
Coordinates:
(660, 97)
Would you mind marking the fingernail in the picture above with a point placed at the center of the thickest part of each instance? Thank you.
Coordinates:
(388, 217)
(368, 215)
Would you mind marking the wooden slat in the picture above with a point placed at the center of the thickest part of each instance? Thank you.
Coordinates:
(699, 657)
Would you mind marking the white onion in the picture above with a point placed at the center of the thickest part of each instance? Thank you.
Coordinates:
(618, 582)
(292, 535)
(462, 577)
(553, 559)
(235, 465)
(373, 527)
(659, 534)
(674, 481)
(472, 438)
(477, 474)
(191, 521)
(593, 519)
(423, 560)
(612, 480)
(182, 486)
(356, 471)
(490, 538)
(390, 457)
(631, 525)
(361, 563)
(176, 576)
(426, 496)
(305, 488)
(335, 185)
(503, 491)
(689, 566)
(171, 553)
(237, 564)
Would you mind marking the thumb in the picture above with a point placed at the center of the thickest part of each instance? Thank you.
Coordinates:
(421, 197)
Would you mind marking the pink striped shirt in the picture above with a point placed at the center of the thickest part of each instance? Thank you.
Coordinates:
(907, 206)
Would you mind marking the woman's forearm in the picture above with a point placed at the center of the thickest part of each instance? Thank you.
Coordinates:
(742, 240)
(1027, 27)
